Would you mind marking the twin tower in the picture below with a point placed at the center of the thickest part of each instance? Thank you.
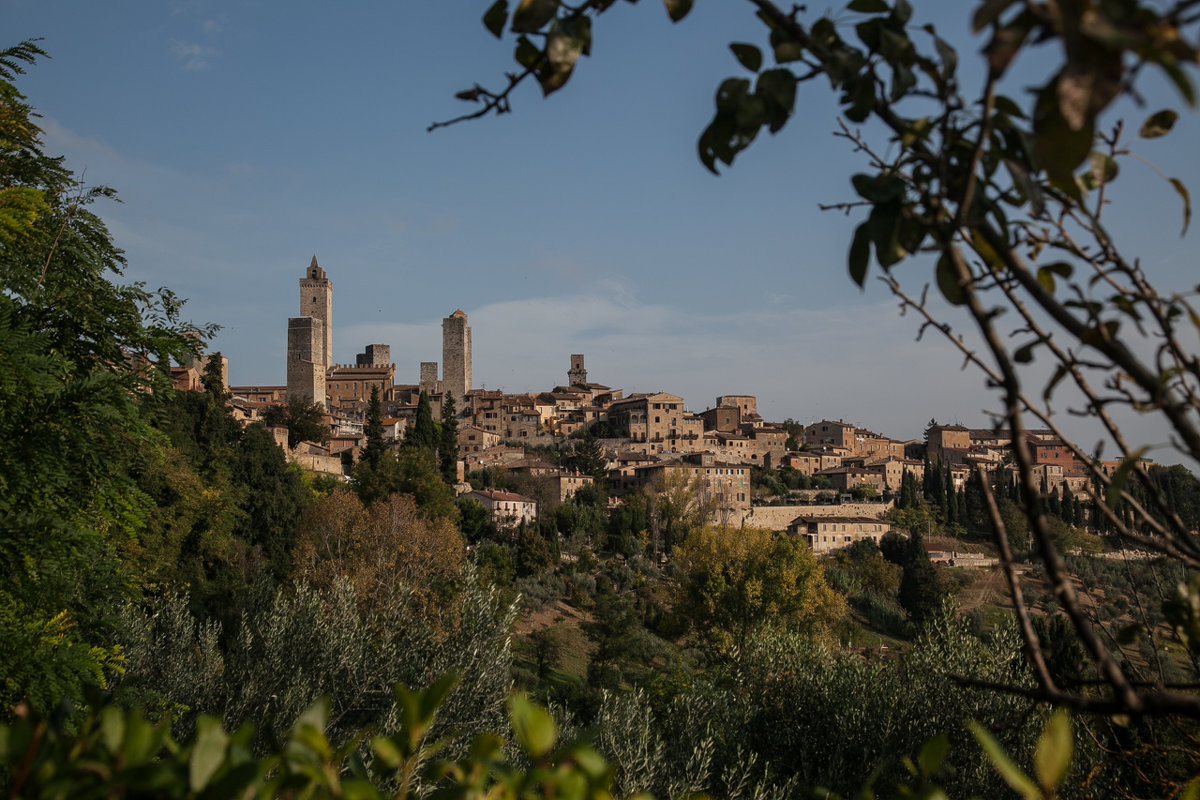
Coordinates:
(310, 345)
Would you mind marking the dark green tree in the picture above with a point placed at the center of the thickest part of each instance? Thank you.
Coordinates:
(75, 350)
(304, 420)
(375, 447)
(448, 441)
(921, 587)
(213, 378)
(275, 497)
(587, 456)
(423, 433)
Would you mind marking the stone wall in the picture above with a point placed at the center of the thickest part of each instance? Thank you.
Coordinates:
(777, 518)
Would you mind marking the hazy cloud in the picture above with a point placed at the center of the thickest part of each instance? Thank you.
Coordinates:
(193, 56)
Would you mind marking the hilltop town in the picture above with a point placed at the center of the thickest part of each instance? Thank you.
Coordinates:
(644, 438)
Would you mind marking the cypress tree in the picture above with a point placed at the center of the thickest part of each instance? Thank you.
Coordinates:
(448, 444)
(422, 434)
(375, 446)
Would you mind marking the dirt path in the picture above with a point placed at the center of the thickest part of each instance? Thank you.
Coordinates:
(989, 588)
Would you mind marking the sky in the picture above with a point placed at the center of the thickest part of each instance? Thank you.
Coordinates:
(246, 137)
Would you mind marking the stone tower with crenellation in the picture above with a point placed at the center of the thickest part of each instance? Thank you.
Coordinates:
(316, 301)
(456, 355)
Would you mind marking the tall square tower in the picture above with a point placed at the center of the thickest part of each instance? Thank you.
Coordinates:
(316, 301)
(305, 364)
(456, 355)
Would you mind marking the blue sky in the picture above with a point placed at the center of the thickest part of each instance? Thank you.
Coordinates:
(246, 137)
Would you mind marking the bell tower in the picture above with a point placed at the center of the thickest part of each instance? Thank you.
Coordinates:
(316, 301)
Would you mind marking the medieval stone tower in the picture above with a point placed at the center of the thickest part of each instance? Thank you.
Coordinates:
(310, 337)
(456, 355)
(577, 375)
(316, 301)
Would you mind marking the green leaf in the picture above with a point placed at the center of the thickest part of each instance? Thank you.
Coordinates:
(947, 281)
(1158, 124)
(785, 48)
(1052, 756)
(1060, 372)
(531, 15)
(1060, 149)
(387, 752)
(433, 697)
(567, 40)
(1046, 278)
(1007, 105)
(933, 754)
(987, 13)
(946, 53)
(868, 6)
(534, 728)
(527, 54)
(778, 88)
(677, 9)
(207, 753)
(1102, 169)
(314, 716)
(1192, 792)
(1180, 79)
(1003, 764)
(495, 17)
(1187, 203)
(112, 728)
(884, 226)
(860, 255)
(747, 55)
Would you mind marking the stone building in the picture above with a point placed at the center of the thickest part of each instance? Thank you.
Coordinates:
(838, 434)
(349, 385)
(306, 360)
(456, 355)
(826, 534)
(508, 508)
(577, 375)
(316, 301)
(374, 355)
(947, 443)
(655, 419)
(429, 379)
(310, 337)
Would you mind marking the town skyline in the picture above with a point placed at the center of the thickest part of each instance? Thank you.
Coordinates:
(241, 144)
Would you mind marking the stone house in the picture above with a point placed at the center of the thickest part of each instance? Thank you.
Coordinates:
(472, 439)
(838, 434)
(727, 483)
(845, 478)
(947, 443)
(825, 534)
(508, 508)
(652, 419)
